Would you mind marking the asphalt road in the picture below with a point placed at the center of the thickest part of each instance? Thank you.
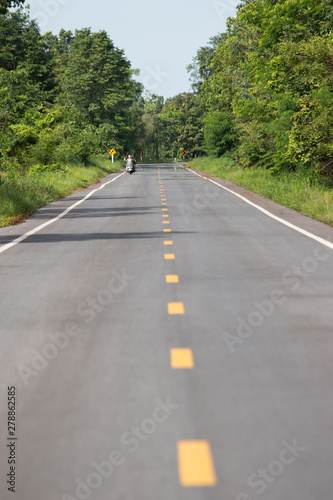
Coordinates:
(178, 349)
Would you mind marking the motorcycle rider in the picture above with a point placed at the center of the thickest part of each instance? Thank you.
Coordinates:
(130, 162)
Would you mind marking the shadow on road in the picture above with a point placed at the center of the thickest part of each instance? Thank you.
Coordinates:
(56, 238)
(98, 212)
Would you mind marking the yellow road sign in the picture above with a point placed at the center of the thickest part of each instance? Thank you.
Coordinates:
(112, 152)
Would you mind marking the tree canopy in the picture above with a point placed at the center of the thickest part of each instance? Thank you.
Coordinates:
(63, 97)
(262, 91)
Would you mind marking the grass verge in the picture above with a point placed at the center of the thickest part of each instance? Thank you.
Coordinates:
(22, 196)
(309, 195)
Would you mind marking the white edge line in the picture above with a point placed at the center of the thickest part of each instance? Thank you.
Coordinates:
(3, 248)
(282, 221)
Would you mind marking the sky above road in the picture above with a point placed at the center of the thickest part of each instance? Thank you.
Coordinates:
(160, 38)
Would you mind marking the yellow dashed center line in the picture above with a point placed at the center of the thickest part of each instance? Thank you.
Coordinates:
(195, 461)
(195, 464)
(176, 308)
(172, 278)
(169, 256)
(181, 358)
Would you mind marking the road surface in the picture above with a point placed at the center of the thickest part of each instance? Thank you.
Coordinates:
(161, 338)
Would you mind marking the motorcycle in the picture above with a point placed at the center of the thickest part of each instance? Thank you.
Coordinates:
(130, 169)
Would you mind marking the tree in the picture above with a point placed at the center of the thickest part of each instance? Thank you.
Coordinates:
(200, 68)
(98, 82)
(153, 125)
(26, 79)
(64, 97)
(268, 86)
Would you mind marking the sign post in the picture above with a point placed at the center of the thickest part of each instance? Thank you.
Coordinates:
(112, 153)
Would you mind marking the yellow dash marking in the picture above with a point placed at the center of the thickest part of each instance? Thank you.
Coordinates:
(195, 464)
(165, 215)
(164, 209)
(172, 278)
(168, 243)
(176, 308)
(164, 203)
(166, 222)
(181, 358)
(169, 256)
(166, 230)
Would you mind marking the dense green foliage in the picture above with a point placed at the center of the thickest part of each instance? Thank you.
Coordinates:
(62, 98)
(269, 91)
(172, 126)
(262, 91)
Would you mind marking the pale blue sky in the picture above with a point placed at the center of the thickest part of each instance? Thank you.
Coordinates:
(160, 38)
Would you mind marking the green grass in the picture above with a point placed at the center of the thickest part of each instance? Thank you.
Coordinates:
(311, 196)
(22, 196)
